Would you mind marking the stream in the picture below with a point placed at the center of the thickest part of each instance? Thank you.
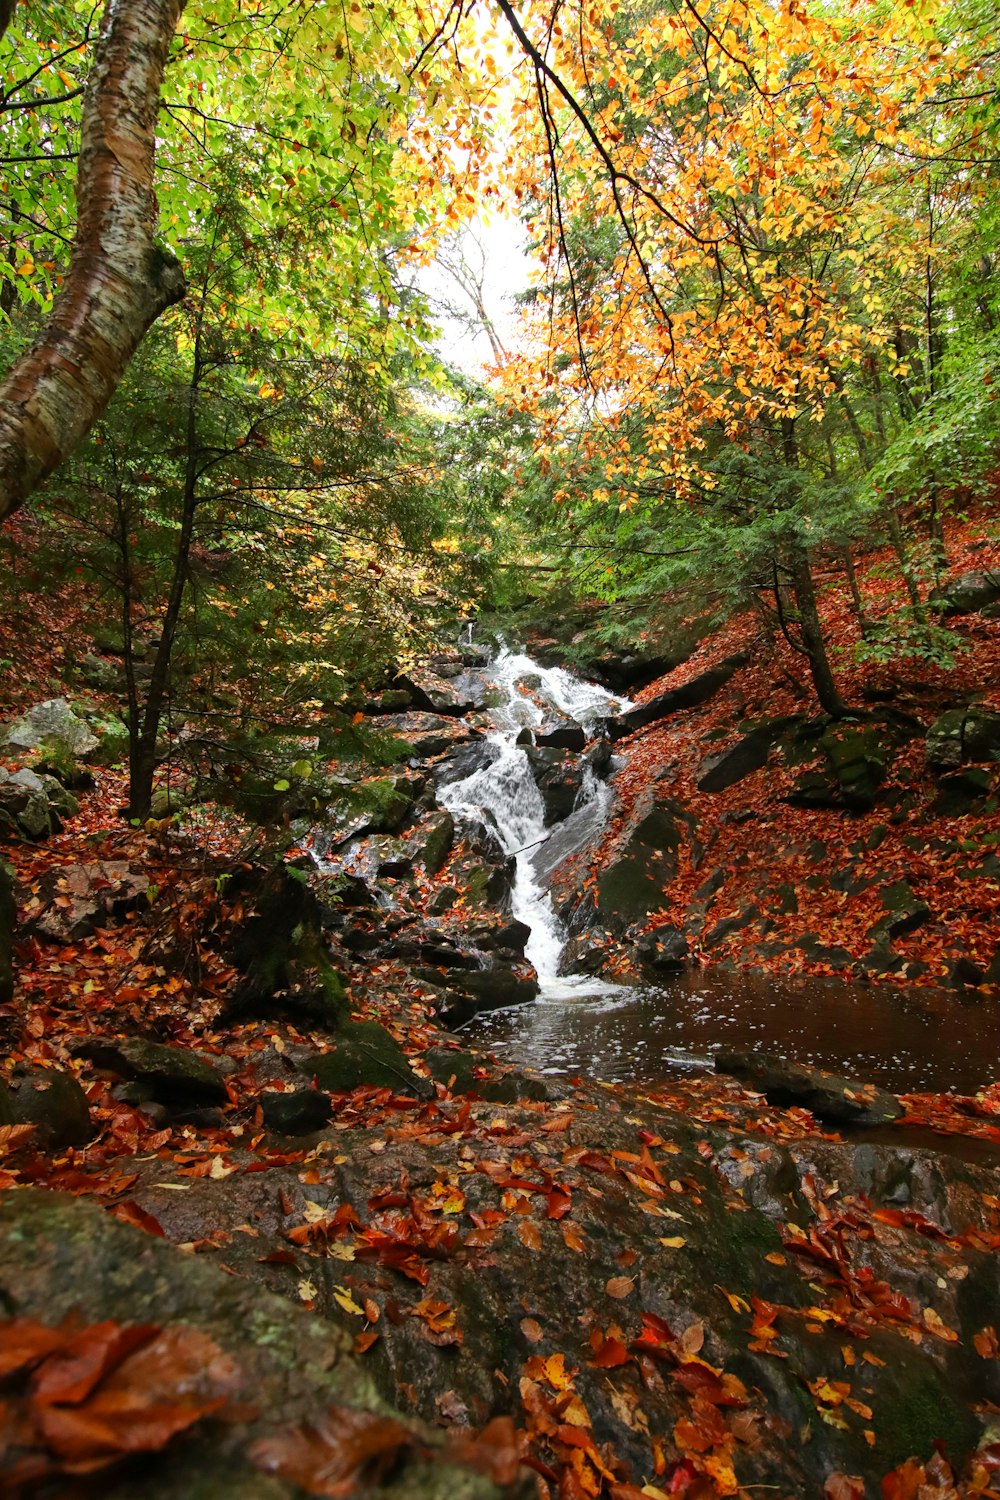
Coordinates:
(903, 1039)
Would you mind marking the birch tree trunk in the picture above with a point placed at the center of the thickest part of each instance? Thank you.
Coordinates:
(119, 278)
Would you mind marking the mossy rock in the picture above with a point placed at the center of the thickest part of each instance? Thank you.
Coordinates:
(366, 1056)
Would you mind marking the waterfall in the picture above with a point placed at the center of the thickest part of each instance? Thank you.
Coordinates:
(505, 798)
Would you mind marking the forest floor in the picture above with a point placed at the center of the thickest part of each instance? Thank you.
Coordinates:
(672, 1291)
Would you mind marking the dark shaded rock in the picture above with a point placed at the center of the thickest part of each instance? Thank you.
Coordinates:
(55, 1104)
(281, 952)
(507, 936)
(829, 1096)
(963, 734)
(366, 1056)
(568, 736)
(598, 758)
(857, 757)
(586, 953)
(558, 775)
(690, 695)
(508, 1088)
(969, 592)
(728, 925)
(962, 792)
(453, 1067)
(173, 1075)
(64, 1258)
(663, 951)
(72, 901)
(905, 912)
(431, 844)
(486, 882)
(469, 759)
(632, 883)
(392, 701)
(8, 922)
(487, 989)
(297, 1113)
(726, 767)
(443, 900)
(964, 974)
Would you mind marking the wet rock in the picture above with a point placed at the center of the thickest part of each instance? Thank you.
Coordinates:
(55, 1104)
(467, 760)
(586, 952)
(508, 1088)
(431, 844)
(558, 775)
(428, 735)
(663, 951)
(487, 882)
(443, 900)
(964, 974)
(969, 592)
(72, 901)
(508, 937)
(173, 1075)
(857, 758)
(453, 1067)
(366, 1055)
(299, 1112)
(829, 1096)
(689, 695)
(566, 736)
(963, 734)
(728, 925)
(632, 883)
(477, 990)
(52, 724)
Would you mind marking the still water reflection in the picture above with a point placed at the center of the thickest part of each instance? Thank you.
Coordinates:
(905, 1040)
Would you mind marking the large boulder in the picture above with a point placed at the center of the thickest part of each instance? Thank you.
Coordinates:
(633, 881)
(286, 1377)
(963, 734)
(829, 1096)
(691, 694)
(52, 725)
(969, 592)
(55, 1104)
(475, 990)
(366, 1056)
(724, 768)
(171, 1075)
(558, 775)
(25, 805)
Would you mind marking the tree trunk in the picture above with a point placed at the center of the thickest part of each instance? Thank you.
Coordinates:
(120, 279)
(827, 691)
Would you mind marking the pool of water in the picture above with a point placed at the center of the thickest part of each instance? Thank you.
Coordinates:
(907, 1040)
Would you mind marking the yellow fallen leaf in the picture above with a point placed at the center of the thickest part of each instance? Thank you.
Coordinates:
(344, 1299)
(673, 1241)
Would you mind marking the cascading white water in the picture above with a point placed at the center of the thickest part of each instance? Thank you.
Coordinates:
(504, 797)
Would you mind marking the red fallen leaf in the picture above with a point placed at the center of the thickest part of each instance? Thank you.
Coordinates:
(529, 1235)
(331, 1456)
(608, 1353)
(493, 1452)
(131, 1212)
(278, 1258)
(23, 1343)
(84, 1361)
(364, 1341)
(843, 1487)
(905, 1482)
(559, 1204)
